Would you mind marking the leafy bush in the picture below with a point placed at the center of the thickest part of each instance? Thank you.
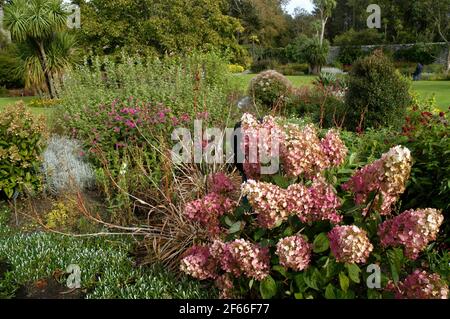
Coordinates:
(199, 82)
(349, 54)
(64, 166)
(263, 65)
(377, 95)
(293, 69)
(235, 68)
(319, 229)
(270, 89)
(20, 150)
(8, 72)
(428, 137)
(358, 38)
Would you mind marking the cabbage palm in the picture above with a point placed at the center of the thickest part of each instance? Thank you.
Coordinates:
(37, 27)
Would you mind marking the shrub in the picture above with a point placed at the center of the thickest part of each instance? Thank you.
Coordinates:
(310, 231)
(377, 94)
(270, 89)
(20, 150)
(8, 73)
(235, 68)
(293, 69)
(64, 166)
(263, 65)
(44, 102)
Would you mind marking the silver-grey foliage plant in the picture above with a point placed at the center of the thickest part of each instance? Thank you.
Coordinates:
(64, 168)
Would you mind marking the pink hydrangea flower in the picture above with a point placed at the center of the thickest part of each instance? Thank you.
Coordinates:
(220, 183)
(198, 262)
(334, 149)
(413, 229)
(225, 285)
(420, 285)
(207, 211)
(386, 176)
(241, 257)
(349, 244)
(294, 252)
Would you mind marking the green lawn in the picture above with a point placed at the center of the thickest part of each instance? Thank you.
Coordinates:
(441, 89)
(425, 89)
(4, 101)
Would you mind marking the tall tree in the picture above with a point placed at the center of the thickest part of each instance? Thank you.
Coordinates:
(324, 9)
(37, 27)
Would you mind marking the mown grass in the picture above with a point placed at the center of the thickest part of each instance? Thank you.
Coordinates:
(4, 101)
(425, 89)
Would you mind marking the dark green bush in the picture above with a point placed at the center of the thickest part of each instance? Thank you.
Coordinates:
(8, 74)
(377, 95)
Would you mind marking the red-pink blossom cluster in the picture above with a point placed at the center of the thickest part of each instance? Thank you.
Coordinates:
(318, 203)
(294, 252)
(220, 183)
(198, 262)
(420, 285)
(334, 149)
(241, 257)
(207, 211)
(273, 204)
(413, 229)
(386, 177)
(260, 143)
(300, 149)
(350, 244)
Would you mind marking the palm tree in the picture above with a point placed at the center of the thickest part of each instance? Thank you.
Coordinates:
(38, 29)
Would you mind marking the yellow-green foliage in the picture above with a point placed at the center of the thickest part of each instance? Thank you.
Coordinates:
(20, 149)
(235, 68)
(59, 216)
(43, 102)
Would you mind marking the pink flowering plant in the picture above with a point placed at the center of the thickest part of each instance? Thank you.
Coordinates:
(319, 227)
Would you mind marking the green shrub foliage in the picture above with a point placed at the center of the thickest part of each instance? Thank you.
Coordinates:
(377, 95)
(20, 150)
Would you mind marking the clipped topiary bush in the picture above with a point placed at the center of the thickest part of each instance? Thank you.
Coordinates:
(20, 150)
(377, 94)
(270, 89)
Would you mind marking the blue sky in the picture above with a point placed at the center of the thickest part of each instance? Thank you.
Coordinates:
(305, 4)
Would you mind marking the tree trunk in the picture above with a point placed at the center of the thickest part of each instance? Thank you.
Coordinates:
(448, 57)
(47, 73)
(322, 32)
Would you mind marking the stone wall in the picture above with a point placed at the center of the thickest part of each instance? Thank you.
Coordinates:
(441, 59)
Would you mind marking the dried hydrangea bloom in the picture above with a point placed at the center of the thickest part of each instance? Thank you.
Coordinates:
(301, 151)
(387, 176)
(198, 262)
(241, 257)
(420, 285)
(334, 149)
(349, 244)
(413, 229)
(268, 201)
(225, 285)
(207, 211)
(294, 252)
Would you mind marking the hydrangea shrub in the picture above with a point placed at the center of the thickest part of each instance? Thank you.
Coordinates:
(317, 229)
(21, 144)
(270, 88)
